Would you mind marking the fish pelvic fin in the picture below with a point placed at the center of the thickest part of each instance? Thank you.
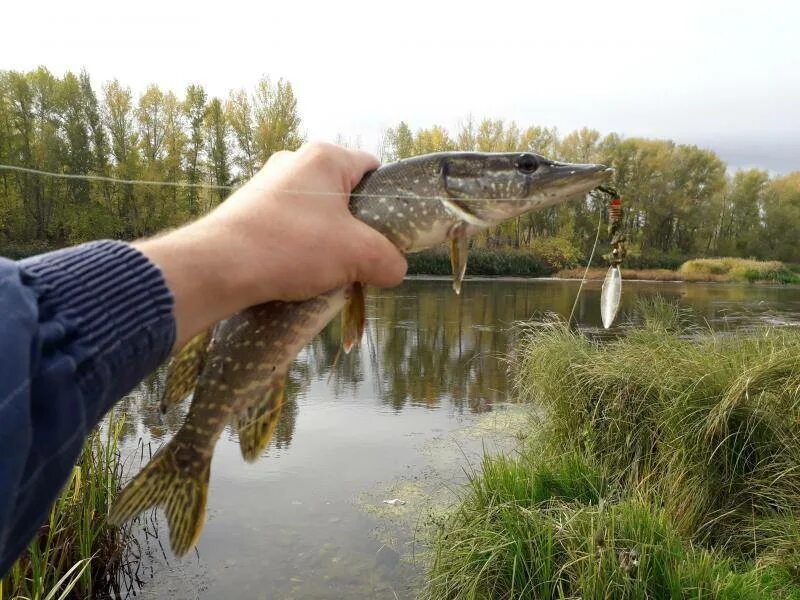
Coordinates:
(184, 369)
(179, 487)
(353, 317)
(459, 248)
(256, 425)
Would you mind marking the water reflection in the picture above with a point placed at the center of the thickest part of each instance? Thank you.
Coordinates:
(424, 346)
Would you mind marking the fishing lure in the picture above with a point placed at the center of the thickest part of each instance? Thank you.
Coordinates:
(611, 293)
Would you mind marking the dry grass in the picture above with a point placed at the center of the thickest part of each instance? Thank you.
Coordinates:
(598, 274)
(701, 270)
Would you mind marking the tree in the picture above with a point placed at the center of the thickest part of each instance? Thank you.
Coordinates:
(121, 124)
(239, 113)
(741, 227)
(217, 134)
(194, 110)
(277, 122)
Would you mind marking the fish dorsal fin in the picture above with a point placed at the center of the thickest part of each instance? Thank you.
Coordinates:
(184, 369)
(257, 424)
(353, 317)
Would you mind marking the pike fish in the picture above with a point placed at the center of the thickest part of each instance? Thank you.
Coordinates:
(236, 372)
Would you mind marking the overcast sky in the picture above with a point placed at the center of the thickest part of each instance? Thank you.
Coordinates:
(725, 75)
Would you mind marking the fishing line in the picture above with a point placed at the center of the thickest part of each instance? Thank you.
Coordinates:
(586, 271)
(115, 180)
(212, 186)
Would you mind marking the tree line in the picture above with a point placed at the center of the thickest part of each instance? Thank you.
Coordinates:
(680, 200)
(64, 125)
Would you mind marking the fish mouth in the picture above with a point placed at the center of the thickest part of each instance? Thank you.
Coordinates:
(576, 178)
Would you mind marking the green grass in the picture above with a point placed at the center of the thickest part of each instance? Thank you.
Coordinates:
(679, 445)
(76, 554)
(741, 269)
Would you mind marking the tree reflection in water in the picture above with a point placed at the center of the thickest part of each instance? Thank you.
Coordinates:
(423, 346)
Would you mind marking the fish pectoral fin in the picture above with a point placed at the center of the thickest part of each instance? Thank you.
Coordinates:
(459, 248)
(462, 212)
(184, 369)
(256, 425)
(353, 317)
(180, 487)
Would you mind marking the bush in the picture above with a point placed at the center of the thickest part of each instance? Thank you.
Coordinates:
(481, 262)
(19, 251)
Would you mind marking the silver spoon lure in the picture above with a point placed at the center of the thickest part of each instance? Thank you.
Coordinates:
(611, 293)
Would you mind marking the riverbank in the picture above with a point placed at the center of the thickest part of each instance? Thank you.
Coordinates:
(664, 466)
(513, 263)
(725, 270)
(524, 263)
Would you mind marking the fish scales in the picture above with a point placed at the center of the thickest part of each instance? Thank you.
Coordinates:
(416, 203)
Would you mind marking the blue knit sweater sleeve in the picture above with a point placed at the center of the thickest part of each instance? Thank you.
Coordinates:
(79, 328)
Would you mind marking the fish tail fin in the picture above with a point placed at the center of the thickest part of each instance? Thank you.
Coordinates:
(180, 488)
(257, 424)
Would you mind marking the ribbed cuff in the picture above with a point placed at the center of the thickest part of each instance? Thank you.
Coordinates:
(109, 300)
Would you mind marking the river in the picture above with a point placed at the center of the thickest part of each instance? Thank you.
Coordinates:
(403, 416)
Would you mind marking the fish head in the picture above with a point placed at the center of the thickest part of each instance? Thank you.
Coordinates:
(498, 186)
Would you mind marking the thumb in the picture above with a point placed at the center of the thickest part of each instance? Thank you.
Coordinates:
(380, 263)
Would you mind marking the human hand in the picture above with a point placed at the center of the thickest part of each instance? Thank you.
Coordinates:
(285, 235)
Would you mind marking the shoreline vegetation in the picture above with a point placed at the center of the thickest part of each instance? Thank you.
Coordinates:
(664, 464)
(76, 554)
(506, 263)
(483, 262)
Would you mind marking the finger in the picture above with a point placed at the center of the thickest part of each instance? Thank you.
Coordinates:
(380, 263)
(358, 163)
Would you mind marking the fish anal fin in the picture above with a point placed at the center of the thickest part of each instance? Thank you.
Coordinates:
(256, 425)
(179, 487)
(459, 248)
(353, 317)
(184, 370)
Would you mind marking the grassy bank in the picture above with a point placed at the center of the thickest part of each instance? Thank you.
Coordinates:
(666, 466)
(76, 554)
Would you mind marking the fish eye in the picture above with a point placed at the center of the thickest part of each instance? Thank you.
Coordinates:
(527, 163)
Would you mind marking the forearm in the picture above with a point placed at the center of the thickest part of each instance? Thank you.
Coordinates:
(80, 328)
(204, 266)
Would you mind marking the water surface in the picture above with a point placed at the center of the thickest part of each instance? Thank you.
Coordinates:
(399, 417)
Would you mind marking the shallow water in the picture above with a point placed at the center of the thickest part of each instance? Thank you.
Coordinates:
(402, 416)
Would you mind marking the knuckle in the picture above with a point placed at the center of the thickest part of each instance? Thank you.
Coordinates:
(278, 156)
(320, 154)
